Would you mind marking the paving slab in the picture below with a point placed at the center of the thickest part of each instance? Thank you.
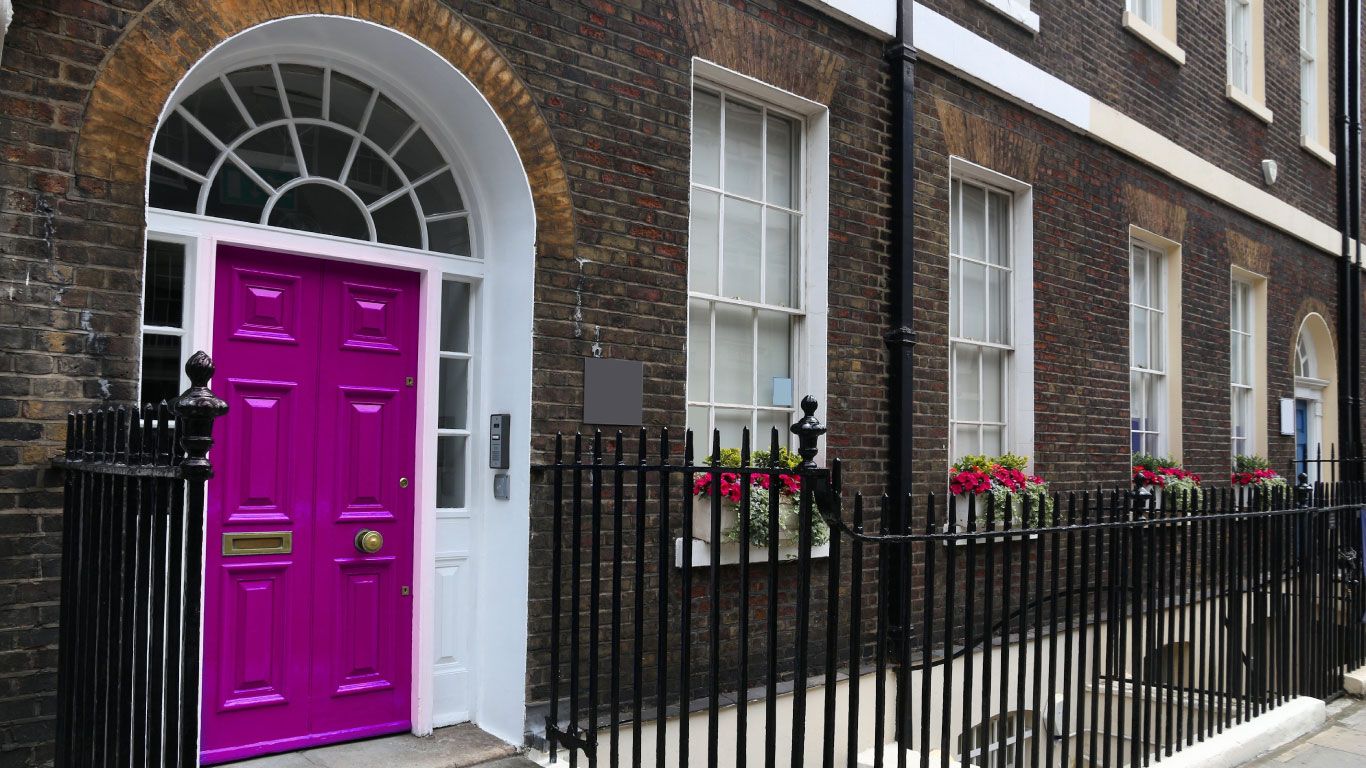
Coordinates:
(1341, 743)
(460, 746)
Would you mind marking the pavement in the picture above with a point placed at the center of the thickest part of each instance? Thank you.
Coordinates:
(1340, 743)
(459, 746)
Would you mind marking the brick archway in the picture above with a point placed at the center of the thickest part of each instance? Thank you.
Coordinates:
(162, 44)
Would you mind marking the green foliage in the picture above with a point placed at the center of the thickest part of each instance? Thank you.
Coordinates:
(1151, 462)
(789, 521)
(730, 458)
(1243, 463)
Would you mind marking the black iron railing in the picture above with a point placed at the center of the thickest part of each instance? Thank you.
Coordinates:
(1090, 629)
(132, 555)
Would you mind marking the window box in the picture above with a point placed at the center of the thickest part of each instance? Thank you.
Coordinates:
(730, 520)
(730, 553)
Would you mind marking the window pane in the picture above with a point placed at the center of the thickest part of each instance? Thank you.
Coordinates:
(304, 87)
(965, 442)
(703, 238)
(325, 150)
(973, 236)
(731, 423)
(255, 86)
(450, 236)
(697, 423)
(1157, 335)
(740, 271)
(993, 389)
(160, 367)
(998, 239)
(388, 123)
(780, 276)
(775, 353)
(271, 154)
(768, 421)
(349, 97)
(954, 290)
(371, 177)
(973, 301)
(397, 223)
(1157, 281)
(1156, 406)
(699, 350)
(1138, 273)
(455, 316)
(164, 288)
(453, 394)
(440, 194)
(782, 162)
(450, 471)
(183, 144)
(734, 354)
(744, 158)
(1138, 344)
(966, 383)
(706, 138)
(955, 216)
(999, 313)
(213, 108)
(993, 441)
(418, 156)
(318, 208)
(171, 191)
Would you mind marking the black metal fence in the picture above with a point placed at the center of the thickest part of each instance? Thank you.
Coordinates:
(1087, 629)
(132, 555)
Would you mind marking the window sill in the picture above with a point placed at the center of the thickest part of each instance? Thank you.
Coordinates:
(1245, 101)
(730, 553)
(1017, 12)
(1150, 35)
(1318, 150)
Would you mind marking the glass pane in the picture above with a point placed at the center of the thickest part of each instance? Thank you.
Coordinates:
(965, 441)
(304, 87)
(734, 354)
(235, 195)
(212, 106)
(703, 241)
(1238, 361)
(966, 383)
(450, 471)
(699, 350)
(697, 422)
(1157, 287)
(322, 209)
(780, 275)
(775, 353)
(397, 223)
(741, 241)
(455, 316)
(419, 156)
(349, 97)
(450, 236)
(160, 367)
(271, 154)
(974, 302)
(974, 222)
(782, 162)
(1139, 346)
(993, 389)
(1156, 407)
(998, 238)
(993, 441)
(171, 191)
(182, 143)
(1138, 274)
(955, 216)
(1137, 398)
(388, 123)
(163, 301)
(440, 194)
(371, 177)
(744, 158)
(955, 302)
(762, 439)
(731, 423)
(706, 138)
(998, 315)
(325, 150)
(453, 390)
(1157, 336)
(255, 86)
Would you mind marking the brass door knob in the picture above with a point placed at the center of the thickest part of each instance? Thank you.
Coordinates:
(369, 541)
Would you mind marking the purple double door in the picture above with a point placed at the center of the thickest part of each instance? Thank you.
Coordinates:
(308, 604)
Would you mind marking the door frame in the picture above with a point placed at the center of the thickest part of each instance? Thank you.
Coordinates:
(202, 236)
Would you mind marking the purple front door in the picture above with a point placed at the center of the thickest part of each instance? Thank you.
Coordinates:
(307, 635)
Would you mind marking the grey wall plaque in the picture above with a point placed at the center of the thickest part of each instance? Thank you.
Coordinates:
(613, 392)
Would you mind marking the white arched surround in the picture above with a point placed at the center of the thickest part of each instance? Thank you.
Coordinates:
(1320, 388)
(493, 607)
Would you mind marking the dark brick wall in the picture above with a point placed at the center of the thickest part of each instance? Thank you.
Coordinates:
(1084, 43)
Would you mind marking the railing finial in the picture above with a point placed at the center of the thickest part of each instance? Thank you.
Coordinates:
(195, 410)
(808, 430)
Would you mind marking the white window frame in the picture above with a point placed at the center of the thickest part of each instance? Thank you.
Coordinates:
(1245, 56)
(1017, 11)
(1238, 27)
(1019, 377)
(809, 364)
(1169, 422)
(1315, 121)
(1244, 337)
(187, 330)
(1155, 25)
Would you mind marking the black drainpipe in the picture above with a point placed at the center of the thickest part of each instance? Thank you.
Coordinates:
(1347, 62)
(901, 58)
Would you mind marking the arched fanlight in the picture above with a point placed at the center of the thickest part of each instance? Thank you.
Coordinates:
(308, 148)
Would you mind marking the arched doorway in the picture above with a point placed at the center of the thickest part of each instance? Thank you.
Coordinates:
(341, 218)
(1315, 398)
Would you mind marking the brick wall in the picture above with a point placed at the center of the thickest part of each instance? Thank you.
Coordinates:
(1084, 43)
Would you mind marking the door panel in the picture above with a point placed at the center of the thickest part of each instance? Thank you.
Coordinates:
(310, 645)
